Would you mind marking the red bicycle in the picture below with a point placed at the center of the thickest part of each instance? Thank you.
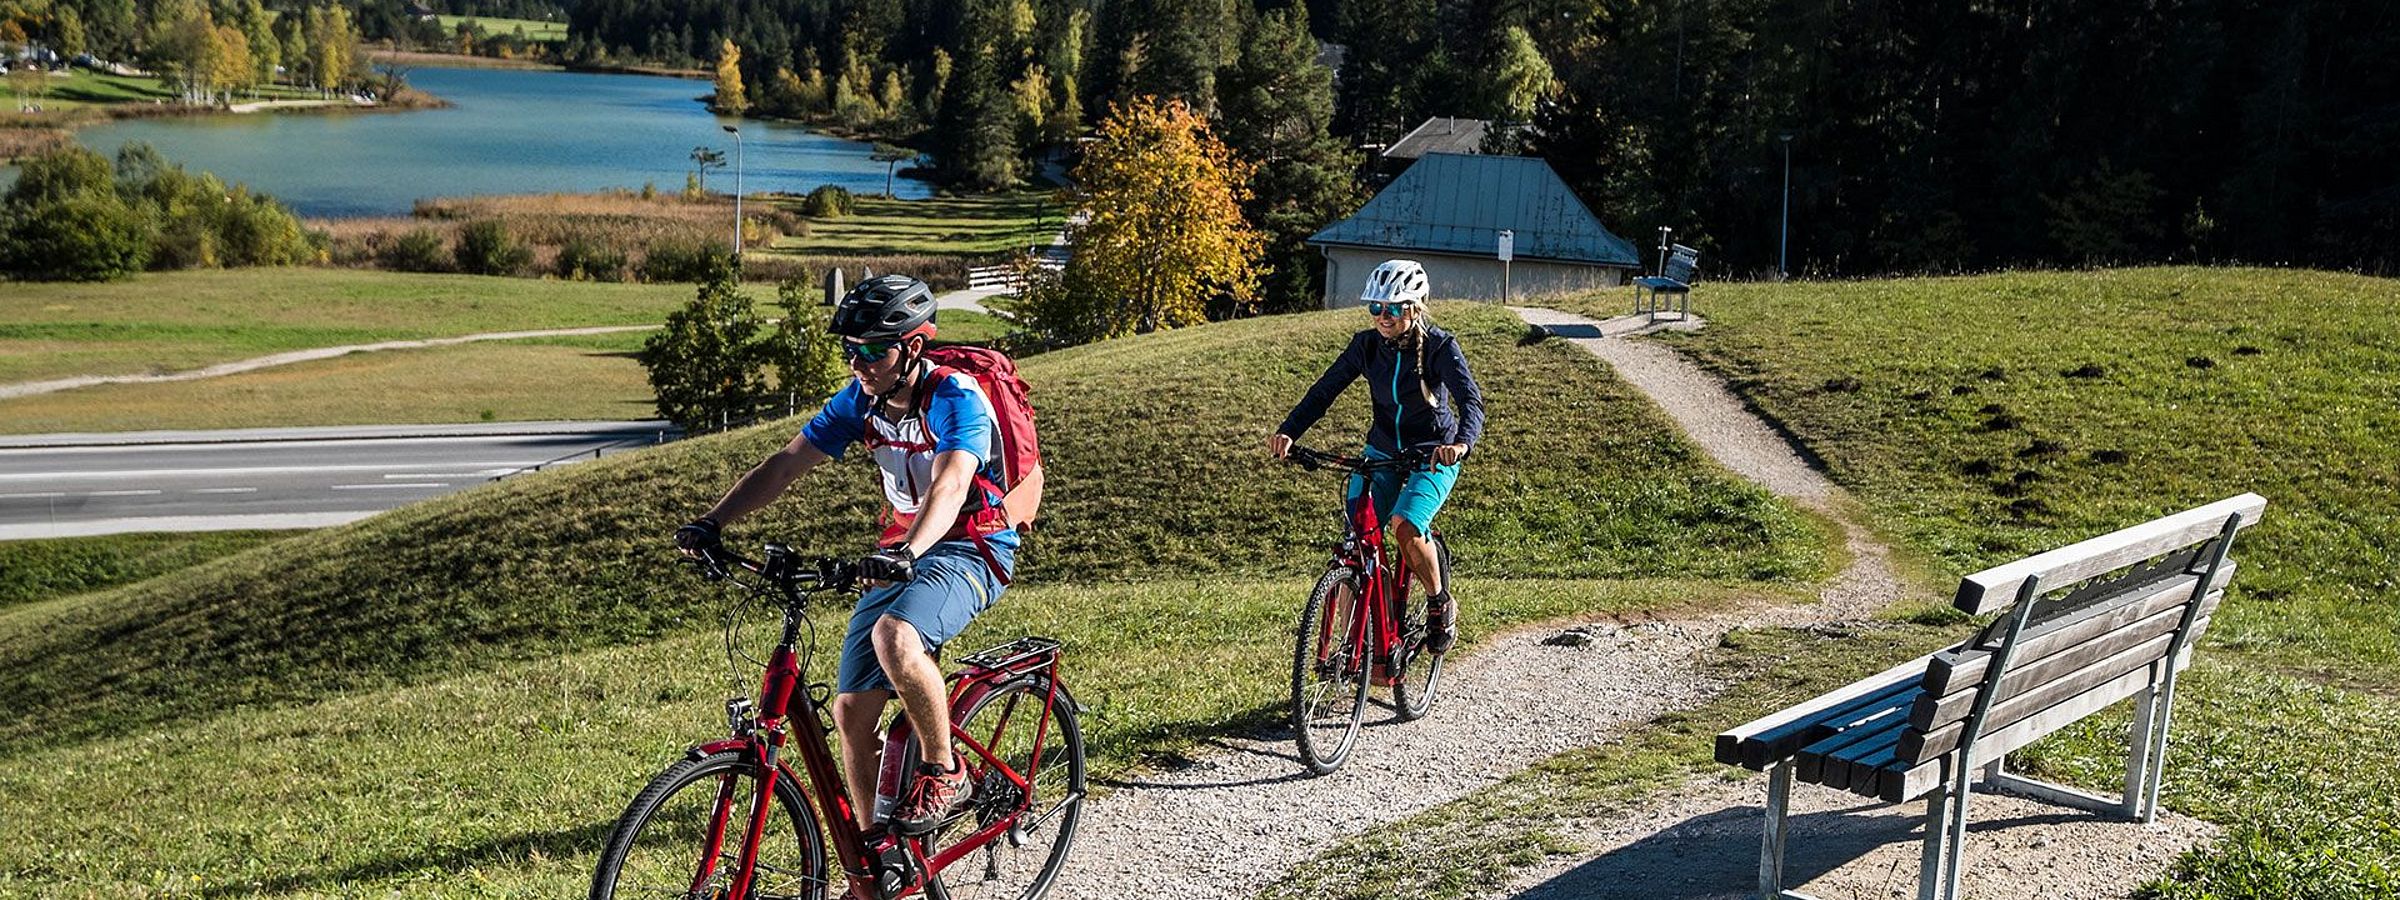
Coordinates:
(734, 821)
(1363, 625)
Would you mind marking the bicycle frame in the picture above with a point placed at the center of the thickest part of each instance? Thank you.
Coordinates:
(1384, 578)
(867, 867)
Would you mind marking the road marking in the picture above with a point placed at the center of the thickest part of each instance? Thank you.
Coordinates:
(224, 490)
(509, 466)
(373, 487)
(124, 493)
(45, 495)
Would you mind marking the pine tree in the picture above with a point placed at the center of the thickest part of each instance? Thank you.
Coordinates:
(1278, 104)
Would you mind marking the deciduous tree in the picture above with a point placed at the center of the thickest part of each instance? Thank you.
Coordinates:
(731, 99)
(1164, 239)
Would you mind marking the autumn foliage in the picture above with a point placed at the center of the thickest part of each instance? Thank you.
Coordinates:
(1163, 241)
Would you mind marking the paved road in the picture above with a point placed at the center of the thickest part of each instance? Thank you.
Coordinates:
(86, 484)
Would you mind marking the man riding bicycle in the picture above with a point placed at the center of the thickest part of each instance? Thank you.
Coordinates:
(1415, 376)
(932, 437)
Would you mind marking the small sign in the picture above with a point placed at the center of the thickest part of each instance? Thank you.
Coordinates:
(1508, 244)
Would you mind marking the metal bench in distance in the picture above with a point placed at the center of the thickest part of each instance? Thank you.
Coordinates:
(1671, 289)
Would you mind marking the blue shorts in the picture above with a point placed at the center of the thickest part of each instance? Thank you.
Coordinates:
(1414, 494)
(952, 586)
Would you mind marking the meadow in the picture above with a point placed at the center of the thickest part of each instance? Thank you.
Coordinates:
(466, 715)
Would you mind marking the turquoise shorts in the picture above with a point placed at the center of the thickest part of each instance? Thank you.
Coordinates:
(952, 586)
(1414, 494)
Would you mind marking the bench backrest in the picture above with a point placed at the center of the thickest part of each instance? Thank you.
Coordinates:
(2092, 624)
(1682, 263)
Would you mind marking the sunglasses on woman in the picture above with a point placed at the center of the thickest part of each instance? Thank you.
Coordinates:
(869, 351)
(1394, 310)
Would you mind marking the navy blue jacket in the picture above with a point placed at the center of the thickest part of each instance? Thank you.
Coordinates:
(1403, 419)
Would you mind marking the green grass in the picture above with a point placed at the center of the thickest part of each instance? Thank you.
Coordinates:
(535, 29)
(86, 88)
(945, 226)
(183, 320)
(1983, 418)
(1156, 474)
(579, 377)
(1954, 408)
(456, 698)
(43, 570)
(965, 327)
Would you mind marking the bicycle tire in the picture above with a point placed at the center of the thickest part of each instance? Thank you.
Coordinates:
(657, 844)
(1017, 858)
(1417, 675)
(1328, 668)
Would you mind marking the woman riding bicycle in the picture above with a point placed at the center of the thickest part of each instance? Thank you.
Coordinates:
(931, 437)
(1426, 402)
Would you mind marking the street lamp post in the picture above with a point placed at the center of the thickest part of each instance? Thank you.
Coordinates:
(1783, 240)
(737, 189)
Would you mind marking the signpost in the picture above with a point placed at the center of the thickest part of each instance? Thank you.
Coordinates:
(1508, 251)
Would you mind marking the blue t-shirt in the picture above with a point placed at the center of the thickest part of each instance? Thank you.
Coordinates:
(956, 416)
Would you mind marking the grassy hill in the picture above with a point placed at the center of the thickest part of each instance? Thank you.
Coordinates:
(457, 697)
(1983, 418)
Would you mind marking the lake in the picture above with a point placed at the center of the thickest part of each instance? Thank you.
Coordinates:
(509, 132)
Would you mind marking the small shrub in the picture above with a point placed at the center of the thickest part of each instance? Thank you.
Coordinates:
(828, 201)
(419, 250)
(649, 190)
(678, 260)
(485, 248)
(85, 237)
(584, 259)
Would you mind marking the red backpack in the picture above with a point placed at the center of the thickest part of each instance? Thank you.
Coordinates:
(1020, 447)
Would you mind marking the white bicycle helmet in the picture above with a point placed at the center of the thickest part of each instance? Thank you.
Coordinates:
(1396, 281)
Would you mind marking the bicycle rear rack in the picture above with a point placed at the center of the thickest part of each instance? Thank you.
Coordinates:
(1024, 654)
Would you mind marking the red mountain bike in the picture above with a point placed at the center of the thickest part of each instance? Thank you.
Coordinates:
(734, 821)
(1364, 625)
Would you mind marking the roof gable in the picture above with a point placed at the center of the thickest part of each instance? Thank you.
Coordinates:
(1439, 135)
(1452, 203)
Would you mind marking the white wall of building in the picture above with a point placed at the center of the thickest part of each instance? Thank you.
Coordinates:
(1460, 277)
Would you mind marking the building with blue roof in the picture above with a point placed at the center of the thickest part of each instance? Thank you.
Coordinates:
(1447, 212)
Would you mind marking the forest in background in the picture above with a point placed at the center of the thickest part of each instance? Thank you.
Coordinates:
(1924, 137)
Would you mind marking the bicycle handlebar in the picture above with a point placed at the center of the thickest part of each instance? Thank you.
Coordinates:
(1313, 459)
(782, 568)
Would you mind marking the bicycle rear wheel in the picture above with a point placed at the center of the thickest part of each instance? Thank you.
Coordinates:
(1416, 674)
(663, 846)
(1330, 672)
(1022, 863)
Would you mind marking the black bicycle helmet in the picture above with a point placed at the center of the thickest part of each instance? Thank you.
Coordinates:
(885, 308)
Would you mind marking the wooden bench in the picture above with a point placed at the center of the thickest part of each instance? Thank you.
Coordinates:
(2091, 624)
(1671, 288)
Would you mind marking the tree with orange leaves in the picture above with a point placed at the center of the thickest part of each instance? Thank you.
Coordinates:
(1163, 239)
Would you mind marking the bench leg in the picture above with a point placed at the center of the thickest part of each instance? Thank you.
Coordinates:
(1931, 866)
(2158, 739)
(2140, 768)
(1770, 849)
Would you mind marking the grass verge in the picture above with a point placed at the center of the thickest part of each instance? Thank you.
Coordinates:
(182, 320)
(578, 377)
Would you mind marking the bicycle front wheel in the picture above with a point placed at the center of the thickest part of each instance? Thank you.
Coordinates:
(1022, 863)
(1330, 669)
(1416, 674)
(683, 835)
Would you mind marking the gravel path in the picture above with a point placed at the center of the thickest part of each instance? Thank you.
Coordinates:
(30, 388)
(1235, 818)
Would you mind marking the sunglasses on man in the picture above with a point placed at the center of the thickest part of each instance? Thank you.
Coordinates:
(869, 351)
(1394, 310)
